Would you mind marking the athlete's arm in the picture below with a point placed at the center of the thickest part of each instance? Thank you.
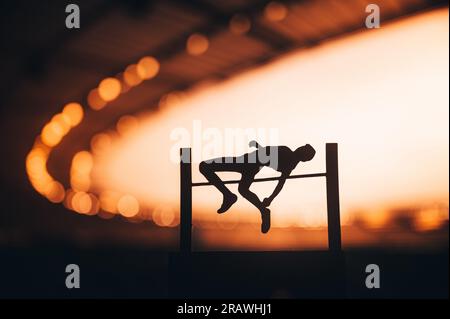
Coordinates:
(267, 201)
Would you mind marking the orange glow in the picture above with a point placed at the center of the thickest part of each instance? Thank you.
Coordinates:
(171, 99)
(128, 206)
(197, 44)
(80, 171)
(95, 205)
(81, 202)
(41, 184)
(100, 142)
(376, 219)
(52, 133)
(126, 123)
(95, 101)
(164, 216)
(55, 192)
(239, 24)
(36, 163)
(109, 200)
(383, 96)
(275, 11)
(147, 68)
(63, 121)
(80, 182)
(109, 89)
(68, 199)
(431, 218)
(82, 162)
(74, 113)
(131, 76)
(124, 86)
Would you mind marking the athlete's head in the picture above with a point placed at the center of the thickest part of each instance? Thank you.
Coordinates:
(305, 153)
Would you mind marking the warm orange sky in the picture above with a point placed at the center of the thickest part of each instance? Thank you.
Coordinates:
(381, 94)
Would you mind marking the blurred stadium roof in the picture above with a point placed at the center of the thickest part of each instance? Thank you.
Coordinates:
(45, 65)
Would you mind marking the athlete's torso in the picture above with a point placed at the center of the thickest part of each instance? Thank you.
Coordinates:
(279, 158)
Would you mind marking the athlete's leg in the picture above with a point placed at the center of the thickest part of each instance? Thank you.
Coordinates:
(244, 189)
(265, 220)
(223, 164)
(248, 176)
(208, 169)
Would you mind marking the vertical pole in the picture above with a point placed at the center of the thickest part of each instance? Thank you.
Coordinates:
(334, 223)
(185, 200)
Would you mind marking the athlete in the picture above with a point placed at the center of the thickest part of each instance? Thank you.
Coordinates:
(279, 158)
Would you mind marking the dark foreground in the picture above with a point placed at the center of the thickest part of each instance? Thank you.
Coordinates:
(132, 273)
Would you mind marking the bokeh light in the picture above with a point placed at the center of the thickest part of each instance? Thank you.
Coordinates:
(275, 11)
(126, 124)
(55, 192)
(165, 216)
(74, 112)
(52, 134)
(131, 76)
(109, 200)
(239, 24)
(95, 101)
(430, 218)
(80, 172)
(147, 67)
(128, 206)
(100, 142)
(197, 44)
(81, 202)
(109, 89)
(63, 121)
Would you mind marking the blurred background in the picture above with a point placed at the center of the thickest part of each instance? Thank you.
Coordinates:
(89, 115)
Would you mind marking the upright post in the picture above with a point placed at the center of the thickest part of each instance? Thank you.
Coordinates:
(333, 211)
(185, 200)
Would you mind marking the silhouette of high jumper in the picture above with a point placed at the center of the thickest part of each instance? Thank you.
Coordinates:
(332, 191)
(279, 158)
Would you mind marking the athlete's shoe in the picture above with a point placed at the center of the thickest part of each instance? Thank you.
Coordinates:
(265, 217)
(228, 201)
